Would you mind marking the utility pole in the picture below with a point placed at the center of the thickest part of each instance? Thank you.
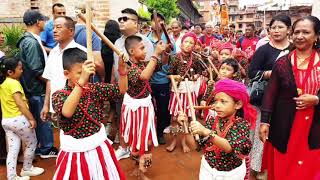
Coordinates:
(316, 8)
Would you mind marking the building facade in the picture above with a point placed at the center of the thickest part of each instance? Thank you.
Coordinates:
(12, 11)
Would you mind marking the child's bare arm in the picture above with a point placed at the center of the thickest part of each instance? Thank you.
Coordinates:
(24, 109)
(148, 71)
(197, 128)
(70, 105)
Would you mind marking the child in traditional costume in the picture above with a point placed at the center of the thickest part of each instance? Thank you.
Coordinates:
(184, 65)
(225, 138)
(137, 124)
(85, 150)
(229, 70)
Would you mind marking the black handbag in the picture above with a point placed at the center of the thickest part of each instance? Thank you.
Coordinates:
(257, 87)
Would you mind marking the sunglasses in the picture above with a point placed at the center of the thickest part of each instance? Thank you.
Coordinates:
(125, 19)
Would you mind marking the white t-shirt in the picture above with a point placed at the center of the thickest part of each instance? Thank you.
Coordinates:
(53, 70)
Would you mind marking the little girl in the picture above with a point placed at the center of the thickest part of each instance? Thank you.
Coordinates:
(225, 139)
(17, 121)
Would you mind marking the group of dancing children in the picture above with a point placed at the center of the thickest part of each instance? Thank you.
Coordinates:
(85, 150)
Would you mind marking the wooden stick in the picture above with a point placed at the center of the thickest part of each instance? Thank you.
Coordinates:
(212, 65)
(103, 37)
(167, 36)
(89, 31)
(155, 18)
(89, 34)
(193, 113)
(175, 88)
(210, 73)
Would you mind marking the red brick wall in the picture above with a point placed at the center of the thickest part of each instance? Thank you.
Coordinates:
(12, 11)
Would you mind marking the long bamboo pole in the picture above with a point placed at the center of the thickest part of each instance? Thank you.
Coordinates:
(193, 113)
(177, 95)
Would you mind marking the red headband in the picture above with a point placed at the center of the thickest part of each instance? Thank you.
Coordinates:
(239, 92)
(226, 45)
(190, 34)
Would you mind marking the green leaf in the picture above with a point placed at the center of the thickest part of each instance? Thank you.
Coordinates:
(12, 34)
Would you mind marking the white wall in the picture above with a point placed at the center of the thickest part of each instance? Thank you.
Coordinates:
(117, 5)
(316, 8)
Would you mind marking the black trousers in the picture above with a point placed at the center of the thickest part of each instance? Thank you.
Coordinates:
(161, 94)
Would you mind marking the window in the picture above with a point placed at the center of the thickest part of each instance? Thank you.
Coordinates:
(240, 26)
(34, 4)
(241, 17)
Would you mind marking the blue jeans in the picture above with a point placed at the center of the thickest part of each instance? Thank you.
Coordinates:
(161, 93)
(43, 131)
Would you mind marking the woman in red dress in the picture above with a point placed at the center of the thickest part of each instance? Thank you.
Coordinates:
(290, 112)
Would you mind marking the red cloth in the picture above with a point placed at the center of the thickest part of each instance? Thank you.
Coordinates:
(238, 91)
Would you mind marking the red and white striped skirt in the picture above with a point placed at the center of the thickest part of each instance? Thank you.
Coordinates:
(137, 124)
(87, 159)
(183, 96)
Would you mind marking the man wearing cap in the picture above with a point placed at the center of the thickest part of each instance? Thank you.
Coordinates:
(48, 41)
(160, 84)
(128, 22)
(33, 57)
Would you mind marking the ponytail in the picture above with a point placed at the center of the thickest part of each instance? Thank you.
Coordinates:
(7, 64)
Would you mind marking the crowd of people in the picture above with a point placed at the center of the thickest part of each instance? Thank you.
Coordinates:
(249, 100)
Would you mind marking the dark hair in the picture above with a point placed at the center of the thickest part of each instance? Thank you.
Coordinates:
(130, 11)
(56, 5)
(316, 26)
(232, 25)
(70, 23)
(73, 56)
(282, 18)
(112, 30)
(7, 64)
(251, 25)
(233, 63)
(130, 40)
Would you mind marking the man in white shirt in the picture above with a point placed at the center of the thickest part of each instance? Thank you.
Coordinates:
(64, 28)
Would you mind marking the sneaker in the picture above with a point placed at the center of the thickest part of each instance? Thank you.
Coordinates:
(117, 139)
(122, 153)
(21, 178)
(52, 153)
(108, 128)
(167, 130)
(34, 171)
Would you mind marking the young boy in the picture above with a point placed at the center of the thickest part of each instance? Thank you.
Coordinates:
(85, 150)
(137, 124)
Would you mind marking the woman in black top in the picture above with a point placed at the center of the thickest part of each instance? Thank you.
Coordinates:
(261, 65)
(112, 32)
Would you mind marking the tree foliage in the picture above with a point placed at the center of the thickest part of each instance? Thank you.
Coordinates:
(12, 34)
(143, 13)
(168, 8)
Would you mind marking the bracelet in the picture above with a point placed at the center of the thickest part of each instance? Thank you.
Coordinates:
(77, 83)
(212, 136)
(122, 73)
(156, 58)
